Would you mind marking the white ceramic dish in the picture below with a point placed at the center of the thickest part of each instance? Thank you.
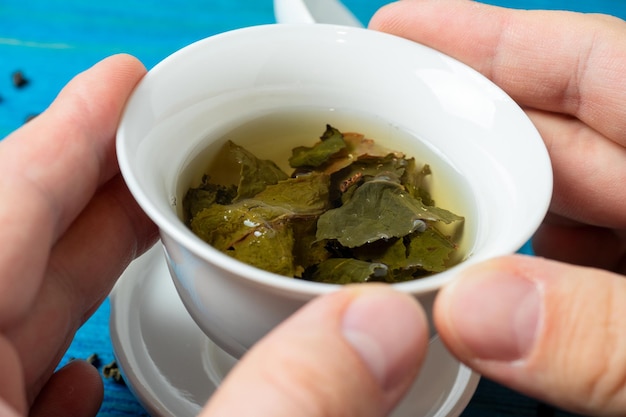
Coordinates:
(180, 112)
(173, 368)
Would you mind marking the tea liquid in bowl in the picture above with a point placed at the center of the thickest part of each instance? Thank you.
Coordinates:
(273, 135)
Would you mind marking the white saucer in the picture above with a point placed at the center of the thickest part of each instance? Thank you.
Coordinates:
(173, 368)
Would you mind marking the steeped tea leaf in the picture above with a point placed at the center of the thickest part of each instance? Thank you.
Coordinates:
(429, 250)
(256, 174)
(365, 169)
(379, 209)
(391, 252)
(351, 212)
(307, 250)
(306, 194)
(222, 226)
(205, 195)
(268, 248)
(359, 146)
(331, 142)
(348, 271)
(417, 254)
(413, 180)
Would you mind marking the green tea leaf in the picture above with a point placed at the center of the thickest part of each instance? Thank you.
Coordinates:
(413, 180)
(331, 143)
(352, 212)
(359, 146)
(366, 169)
(392, 253)
(270, 249)
(306, 194)
(205, 195)
(307, 250)
(222, 226)
(347, 271)
(429, 250)
(378, 209)
(418, 254)
(255, 173)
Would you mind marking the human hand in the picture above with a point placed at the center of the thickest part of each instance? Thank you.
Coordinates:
(350, 353)
(69, 227)
(548, 329)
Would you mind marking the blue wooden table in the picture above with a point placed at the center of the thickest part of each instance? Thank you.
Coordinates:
(51, 41)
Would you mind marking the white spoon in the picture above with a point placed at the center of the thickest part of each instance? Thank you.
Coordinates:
(314, 11)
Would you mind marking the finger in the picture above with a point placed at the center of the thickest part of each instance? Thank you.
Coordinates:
(588, 171)
(84, 264)
(549, 330)
(557, 61)
(51, 167)
(351, 353)
(7, 411)
(581, 244)
(12, 395)
(75, 390)
(111, 232)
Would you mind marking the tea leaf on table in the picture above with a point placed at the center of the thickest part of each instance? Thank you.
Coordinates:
(112, 371)
(348, 271)
(255, 173)
(93, 360)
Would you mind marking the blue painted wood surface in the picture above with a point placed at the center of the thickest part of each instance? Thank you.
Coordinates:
(51, 41)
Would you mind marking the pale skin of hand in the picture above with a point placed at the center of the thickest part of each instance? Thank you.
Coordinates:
(548, 329)
(69, 228)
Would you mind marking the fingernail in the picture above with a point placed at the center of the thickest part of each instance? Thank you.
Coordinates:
(389, 332)
(495, 315)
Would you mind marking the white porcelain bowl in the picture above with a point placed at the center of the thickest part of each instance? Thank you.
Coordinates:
(183, 107)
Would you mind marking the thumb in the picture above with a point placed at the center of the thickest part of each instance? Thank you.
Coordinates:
(352, 352)
(550, 330)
